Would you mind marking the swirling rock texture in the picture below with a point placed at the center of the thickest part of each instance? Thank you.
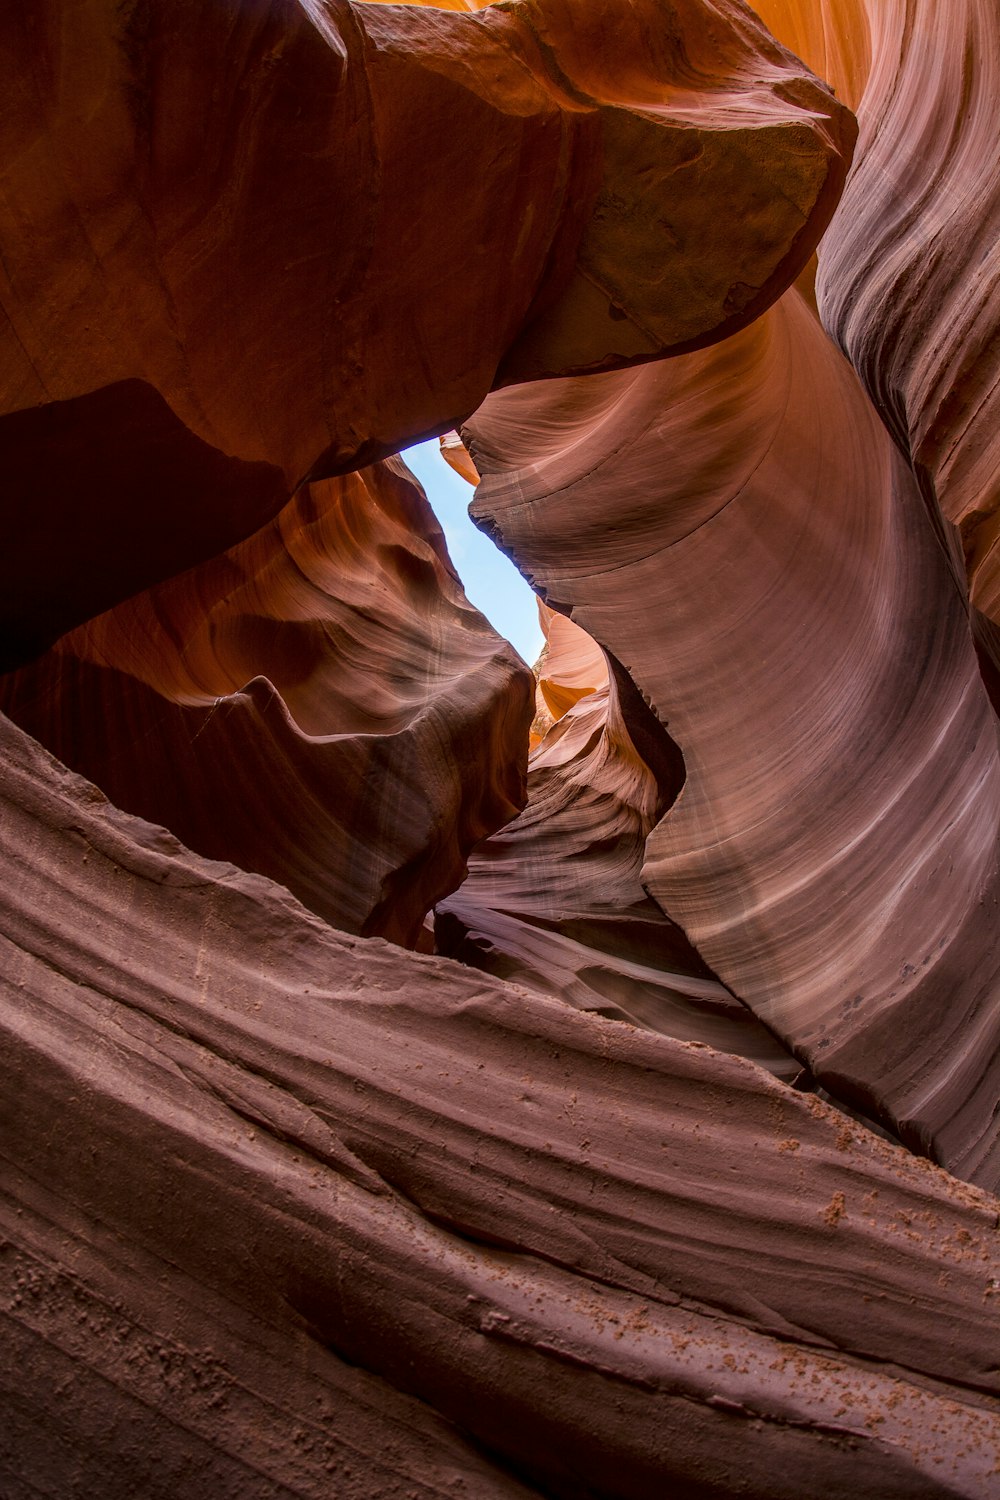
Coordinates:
(908, 273)
(555, 902)
(571, 666)
(823, 856)
(320, 704)
(291, 1211)
(665, 1263)
(217, 279)
(908, 281)
(918, 956)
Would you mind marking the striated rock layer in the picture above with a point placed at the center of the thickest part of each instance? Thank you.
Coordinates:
(609, 1302)
(320, 704)
(571, 666)
(908, 279)
(825, 856)
(554, 901)
(908, 274)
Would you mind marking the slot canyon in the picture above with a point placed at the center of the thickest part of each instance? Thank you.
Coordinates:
(429, 1076)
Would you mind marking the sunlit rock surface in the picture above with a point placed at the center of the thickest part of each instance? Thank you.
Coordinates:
(571, 666)
(288, 1210)
(908, 272)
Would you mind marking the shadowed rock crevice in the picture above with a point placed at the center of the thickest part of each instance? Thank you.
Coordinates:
(166, 499)
(555, 901)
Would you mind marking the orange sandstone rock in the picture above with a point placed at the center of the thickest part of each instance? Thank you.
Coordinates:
(233, 256)
(320, 704)
(456, 455)
(302, 1213)
(573, 666)
(908, 279)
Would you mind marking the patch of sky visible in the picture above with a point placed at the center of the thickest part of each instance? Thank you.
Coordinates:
(491, 580)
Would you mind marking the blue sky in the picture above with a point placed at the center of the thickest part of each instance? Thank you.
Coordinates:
(491, 581)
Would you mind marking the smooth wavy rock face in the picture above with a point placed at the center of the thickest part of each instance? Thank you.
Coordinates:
(571, 667)
(227, 263)
(453, 450)
(290, 1212)
(554, 901)
(833, 852)
(910, 273)
(321, 704)
(909, 278)
(247, 1146)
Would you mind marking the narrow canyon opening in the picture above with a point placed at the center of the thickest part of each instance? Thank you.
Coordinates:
(491, 581)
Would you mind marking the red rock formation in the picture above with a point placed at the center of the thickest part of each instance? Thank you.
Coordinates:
(665, 1269)
(321, 704)
(456, 454)
(227, 267)
(832, 36)
(285, 1211)
(908, 272)
(571, 667)
(555, 902)
(801, 638)
(908, 278)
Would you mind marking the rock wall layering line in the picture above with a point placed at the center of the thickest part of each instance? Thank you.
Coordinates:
(602, 1294)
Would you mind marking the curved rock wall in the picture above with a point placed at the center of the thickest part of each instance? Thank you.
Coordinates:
(286, 1211)
(600, 1292)
(908, 271)
(320, 704)
(908, 280)
(554, 901)
(571, 666)
(802, 639)
(226, 267)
